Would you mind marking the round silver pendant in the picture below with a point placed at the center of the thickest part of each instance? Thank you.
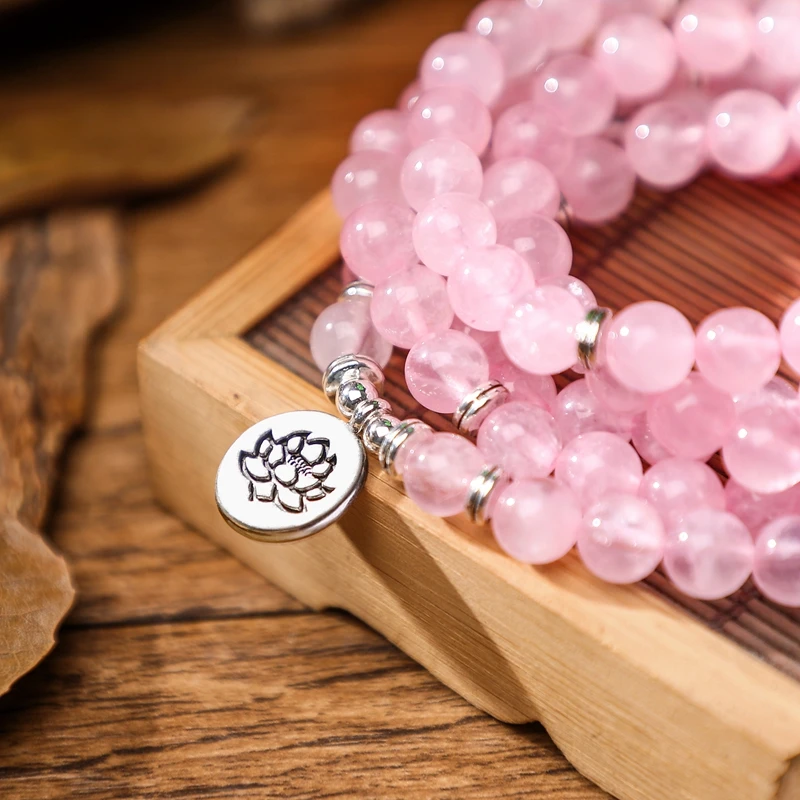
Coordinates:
(289, 476)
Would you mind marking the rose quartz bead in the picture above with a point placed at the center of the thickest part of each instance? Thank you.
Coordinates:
(756, 510)
(450, 113)
(541, 241)
(793, 107)
(409, 96)
(790, 335)
(568, 23)
(439, 167)
(486, 284)
(577, 92)
(366, 176)
(666, 141)
(465, 60)
(346, 328)
(621, 539)
(578, 411)
(595, 465)
(611, 394)
(539, 335)
(708, 554)
(438, 474)
(638, 53)
(599, 180)
(443, 368)
(649, 347)
(576, 287)
(409, 305)
(647, 446)
(662, 9)
(450, 225)
(776, 565)
(748, 132)
(537, 389)
(515, 188)
(777, 36)
(536, 522)
(382, 130)
(522, 438)
(525, 131)
(778, 390)
(677, 486)
(488, 340)
(714, 37)
(408, 448)
(376, 240)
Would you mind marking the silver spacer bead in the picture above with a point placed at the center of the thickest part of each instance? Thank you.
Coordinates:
(347, 368)
(365, 411)
(351, 394)
(477, 405)
(357, 289)
(480, 491)
(395, 439)
(587, 332)
(376, 431)
(565, 216)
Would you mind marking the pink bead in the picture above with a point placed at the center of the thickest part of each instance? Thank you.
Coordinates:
(576, 287)
(649, 347)
(450, 225)
(439, 167)
(541, 241)
(382, 130)
(790, 335)
(777, 34)
(409, 305)
(748, 132)
(621, 539)
(793, 107)
(486, 284)
(539, 335)
(537, 389)
(364, 177)
(577, 93)
(776, 567)
(714, 37)
(525, 131)
(777, 390)
(406, 451)
(645, 443)
(612, 395)
(522, 438)
(346, 328)
(488, 340)
(465, 60)
(376, 240)
(756, 510)
(638, 53)
(708, 554)
(515, 188)
(677, 486)
(450, 113)
(599, 180)
(443, 368)
(661, 9)
(409, 96)
(666, 141)
(578, 411)
(536, 522)
(568, 23)
(438, 474)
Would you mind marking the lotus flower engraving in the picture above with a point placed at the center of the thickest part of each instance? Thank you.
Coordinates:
(290, 472)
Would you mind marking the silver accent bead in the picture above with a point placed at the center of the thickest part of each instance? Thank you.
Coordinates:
(480, 491)
(377, 430)
(357, 289)
(587, 332)
(353, 392)
(350, 367)
(365, 411)
(395, 439)
(477, 405)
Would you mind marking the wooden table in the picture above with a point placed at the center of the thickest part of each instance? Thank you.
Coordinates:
(180, 673)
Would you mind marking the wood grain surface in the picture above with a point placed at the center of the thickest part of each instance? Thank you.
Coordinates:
(181, 673)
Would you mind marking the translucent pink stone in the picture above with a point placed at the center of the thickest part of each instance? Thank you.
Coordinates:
(443, 368)
(776, 566)
(661, 9)
(366, 176)
(714, 37)
(376, 241)
(438, 474)
(677, 486)
(777, 34)
(484, 287)
(599, 180)
(526, 131)
(576, 287)
(613, 395)
(621, 539)
(537, 389)
(576, 92)
(638, 53)
(539, 335)
(568, 23)
(747, 133)
(647, 446)
(488, 340)
(666, 140)
(777, 390)
(536, 521)
(450, 225)
(409, 305)
(541, 241)
(465, 60)
(382, 130)
(708, 554)
(439, 167)
(649, 347)
(793, 107)
(790, 335)
(409, 96)
(522, 438)
(578, 411)
(408, 448)
(450, 112)
(515, 188)
(756, 510)
(346, 328)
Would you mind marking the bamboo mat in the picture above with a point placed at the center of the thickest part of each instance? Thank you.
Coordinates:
(712, 245)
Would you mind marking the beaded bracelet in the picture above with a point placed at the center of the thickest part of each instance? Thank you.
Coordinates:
(450, 205)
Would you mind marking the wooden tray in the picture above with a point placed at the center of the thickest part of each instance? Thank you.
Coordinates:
(648, 694)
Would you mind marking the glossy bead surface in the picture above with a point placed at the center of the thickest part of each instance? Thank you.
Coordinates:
(793, 107)
(578, 411)
(647, 446)
(526, 131)
(522, 385)
(568, 23)
(364, 177)
(776, 567)
(777, 34)
(541, 241)
(576, 287)
(450, 113)
(790, 335)
(409, 96)
(382, 130)
(677, 486)
(611, 394)
(756, 510)
(516, 188)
